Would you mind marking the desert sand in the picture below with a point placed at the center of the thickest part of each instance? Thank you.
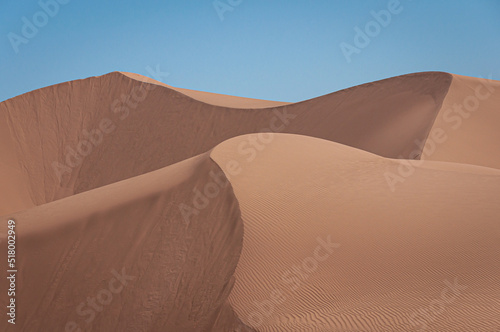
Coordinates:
(144, 207)
(329, 247)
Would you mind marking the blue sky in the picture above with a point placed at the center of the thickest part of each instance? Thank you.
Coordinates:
(287, 50)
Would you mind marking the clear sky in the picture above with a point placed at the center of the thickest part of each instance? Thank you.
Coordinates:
(287, 50)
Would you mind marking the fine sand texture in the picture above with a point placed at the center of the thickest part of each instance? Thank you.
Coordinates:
(81, 135)
(466, 129)
(145, 207)
(329, 247)
(128, 247)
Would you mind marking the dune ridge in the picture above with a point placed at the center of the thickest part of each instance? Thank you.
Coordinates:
(467, 124)
(74, 248)
(352, 211)
(80, 135)
(349, 254)
(211, 98)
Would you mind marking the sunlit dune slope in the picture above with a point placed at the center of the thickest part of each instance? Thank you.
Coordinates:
(330, 246)
(213, 98)
(466, 129)
(81, 135)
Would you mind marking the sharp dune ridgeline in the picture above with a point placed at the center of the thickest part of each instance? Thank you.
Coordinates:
(144, 207)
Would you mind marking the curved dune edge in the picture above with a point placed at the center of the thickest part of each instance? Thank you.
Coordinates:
(211, 98)
(130, 240)
(329, 247)
(81, 135)
(466, 127)
(389, 215)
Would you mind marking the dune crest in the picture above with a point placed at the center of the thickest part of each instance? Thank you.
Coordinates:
(466, 128)
(350, 255)
(211, 98)
(368, 209)
(124, 258)
(81, 135)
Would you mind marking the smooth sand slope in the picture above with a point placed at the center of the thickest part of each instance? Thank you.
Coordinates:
(212, 98)
(173, 275)
(466, 129)
(329, 247)
(81, 135)
(112, 173)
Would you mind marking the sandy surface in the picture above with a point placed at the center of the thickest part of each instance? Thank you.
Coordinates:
(468, 124)
(81, 135)
(373, 208)
(213, 98)
(329, 247)
(71, 250)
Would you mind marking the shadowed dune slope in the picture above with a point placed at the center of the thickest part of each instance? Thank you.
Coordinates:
(328, 246)
(128, 245)
(81, 135)
(466, 129)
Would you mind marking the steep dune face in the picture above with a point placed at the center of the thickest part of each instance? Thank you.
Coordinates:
(14, 195)
(126, 223)
(466, 128)
(81, 135)
(383, 117)
(328, 246)
(124, 257)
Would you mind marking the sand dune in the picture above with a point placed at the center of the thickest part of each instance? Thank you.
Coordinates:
(80, 135)
(212, 98)
(368, 209)
(73, 249)
(350, 255)
(467, 124)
